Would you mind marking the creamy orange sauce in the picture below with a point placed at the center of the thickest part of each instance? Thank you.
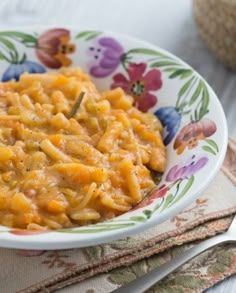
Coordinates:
(59, 172)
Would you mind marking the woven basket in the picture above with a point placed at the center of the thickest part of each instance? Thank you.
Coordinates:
(216, 23)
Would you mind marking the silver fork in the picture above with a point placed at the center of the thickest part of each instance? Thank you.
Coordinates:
(148, 280)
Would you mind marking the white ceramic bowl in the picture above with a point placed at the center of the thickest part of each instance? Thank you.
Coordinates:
(195, 125)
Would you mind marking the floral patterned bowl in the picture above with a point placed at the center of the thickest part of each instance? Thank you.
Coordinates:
(194, 123)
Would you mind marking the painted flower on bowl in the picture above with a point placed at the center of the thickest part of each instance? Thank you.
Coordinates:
(139, 84)
(160, 192)
(189, 168)
(105, 56)
(170, 119)
(15, 70)
(192, 133)
(53, 46)
(175, 175)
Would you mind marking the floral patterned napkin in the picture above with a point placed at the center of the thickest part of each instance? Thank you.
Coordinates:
(104, 268)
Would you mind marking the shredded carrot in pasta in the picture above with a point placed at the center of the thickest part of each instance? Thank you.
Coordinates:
(65, 163)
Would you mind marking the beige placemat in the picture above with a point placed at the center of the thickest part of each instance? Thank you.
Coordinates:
(104, 268)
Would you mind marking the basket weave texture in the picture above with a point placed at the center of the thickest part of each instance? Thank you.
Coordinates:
(216, 23)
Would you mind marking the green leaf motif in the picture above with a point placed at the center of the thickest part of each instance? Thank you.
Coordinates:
(185, 190)
(146, 52)
(180, 72)
(92, 36)
(7, 43)
(88, 35)
(138, 219)
(195, 115)
(196, 94)
(186, 74)
(185, 87)
(19, 36)
(172, 69)
(209, 150)
(212, 144)
(168, 200)
(205, 102)
(147, 213)
(83, 34)
(163, 63)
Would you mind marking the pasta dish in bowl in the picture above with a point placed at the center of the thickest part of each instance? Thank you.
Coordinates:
(101, 136)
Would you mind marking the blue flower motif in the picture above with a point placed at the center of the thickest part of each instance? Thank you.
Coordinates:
(15, 70)
(170, 119)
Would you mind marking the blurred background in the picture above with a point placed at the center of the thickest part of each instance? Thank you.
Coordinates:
(166, 23)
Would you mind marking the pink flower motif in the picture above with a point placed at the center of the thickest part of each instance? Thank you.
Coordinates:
(140, 84)
(193, 165)
(157, 193)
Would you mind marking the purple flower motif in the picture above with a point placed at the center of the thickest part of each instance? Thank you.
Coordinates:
(192, 166)
(15, 70)
(105, 53)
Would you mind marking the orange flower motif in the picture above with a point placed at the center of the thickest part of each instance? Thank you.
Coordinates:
(192, 133)
(53, 46)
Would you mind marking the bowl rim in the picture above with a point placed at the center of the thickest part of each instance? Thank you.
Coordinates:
(44, 243)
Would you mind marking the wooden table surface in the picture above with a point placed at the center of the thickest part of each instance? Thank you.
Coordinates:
(166, 23)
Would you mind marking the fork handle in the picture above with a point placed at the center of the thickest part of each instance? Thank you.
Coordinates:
(148, 280)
